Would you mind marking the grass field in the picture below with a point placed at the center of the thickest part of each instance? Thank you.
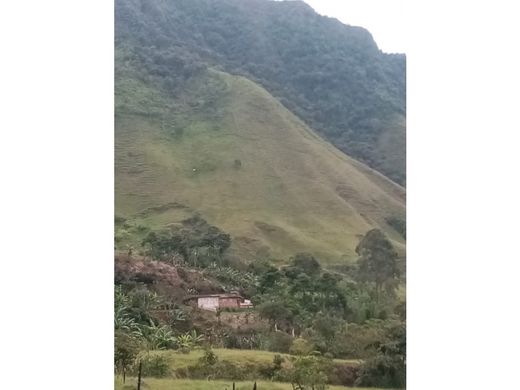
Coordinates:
(180, 360)
(230, 151)
(184, 384)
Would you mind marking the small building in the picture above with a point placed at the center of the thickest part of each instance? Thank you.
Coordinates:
(213, 302)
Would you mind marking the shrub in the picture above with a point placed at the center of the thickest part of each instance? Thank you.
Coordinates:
(301, 347)
(118, 220)
(382, 371)
(278, 361)
(345, 375)
(126, 348)
(310, 372)
(155, 365)
(209, 358)
(279, 342)
(269, 371)
(182, 373)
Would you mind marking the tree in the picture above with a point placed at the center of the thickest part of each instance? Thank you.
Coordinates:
(377, 262)
(310, 372)
(275, 312)
(306, 263)
(126, 349)
(388, 367)
(326, 329)
(268, 279)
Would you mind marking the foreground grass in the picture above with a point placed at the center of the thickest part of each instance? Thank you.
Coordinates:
(241, 356)
(187, 384)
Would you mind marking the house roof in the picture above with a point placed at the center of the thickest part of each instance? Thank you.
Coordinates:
(214, 296)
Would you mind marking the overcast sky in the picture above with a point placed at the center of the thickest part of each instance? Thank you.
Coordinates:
(383, 18)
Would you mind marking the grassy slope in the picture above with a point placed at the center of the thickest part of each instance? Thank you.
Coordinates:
(240, 356)
(293, 192)
(185, 384)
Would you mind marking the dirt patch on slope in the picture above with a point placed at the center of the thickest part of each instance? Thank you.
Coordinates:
(171, 281)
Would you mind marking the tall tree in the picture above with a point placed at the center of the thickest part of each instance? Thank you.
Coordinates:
(377, 260)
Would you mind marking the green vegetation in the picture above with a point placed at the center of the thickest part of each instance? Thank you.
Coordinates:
(237, 356)
(222, 186)
(317, 324)
(199, 244)
(278, 203)
(167, 384)
(331, 75)
(377, 262)
(398, 224)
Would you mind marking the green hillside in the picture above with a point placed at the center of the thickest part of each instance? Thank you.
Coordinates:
(331, 75)
(224, 148)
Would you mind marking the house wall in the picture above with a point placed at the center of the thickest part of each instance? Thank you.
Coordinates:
(208, 303)
(229, 302)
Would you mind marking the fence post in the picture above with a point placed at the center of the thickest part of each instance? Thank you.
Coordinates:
(233, 385)
(139, 377)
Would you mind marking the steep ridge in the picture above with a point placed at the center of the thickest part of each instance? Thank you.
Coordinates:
(225, 149)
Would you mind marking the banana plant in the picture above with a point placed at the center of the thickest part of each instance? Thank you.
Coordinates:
(197, 338)
(189, 340)
(125, 323)
(159, 336)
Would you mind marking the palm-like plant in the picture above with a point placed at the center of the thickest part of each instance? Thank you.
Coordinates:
(197, 338)
(159, 336)
(120, 298)
(185, 342)
(176, 316)
(125, 323)
(189, 340)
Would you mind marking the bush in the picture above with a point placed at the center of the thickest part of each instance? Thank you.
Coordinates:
(301, 347)
(279, 342)
(382, 371)
(154, 365)
(269, 371)
(309, 372)
(209, 358)
(345, 375)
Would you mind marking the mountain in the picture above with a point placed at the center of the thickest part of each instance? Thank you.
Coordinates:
(257, 146)
(222, 147)
(331, 75)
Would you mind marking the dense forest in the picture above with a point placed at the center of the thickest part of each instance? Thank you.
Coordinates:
(331, 75)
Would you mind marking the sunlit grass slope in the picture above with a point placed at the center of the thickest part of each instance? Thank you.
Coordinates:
(227, 149)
